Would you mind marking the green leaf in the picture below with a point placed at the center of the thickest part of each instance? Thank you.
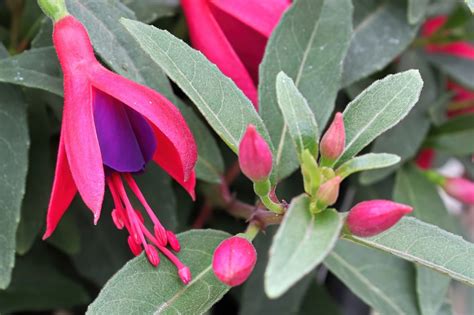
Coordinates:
(381, 106)
(317, 298)
(417, 10)
(301, 243)
(406, 138)
(455, 136)
(470, 4)
(427, 245)
(141, 288)
(381, 280)
(39, 283)
(35, 202)
(150, 10)
(253, 289)
(381, 33)
(35, 68)
(309, 45)
(298, 117)
(14, 144)
(365, 162)
(460, 69)
(413, 188)
(216, 97)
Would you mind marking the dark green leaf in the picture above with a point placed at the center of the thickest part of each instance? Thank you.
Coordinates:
(309, 45)
(381, 106)
(381, 33)
(417, 10)
(14, 144)
(383, 281)
(455, 136)
(297, 115)
(141, 288)
(301, 243)
(150, 10)
(460, 69)
(216, 97)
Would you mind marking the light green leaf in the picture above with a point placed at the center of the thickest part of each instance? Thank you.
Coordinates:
(383, 281)
(417, 10)
(381, 106)
(35, 68)
(455, 136)
(470, 4)
(413, 188)
(427, 245)
(223, 105)
(381, 33)
(309, 45)
(14, 144)
(460, 69)
(406, 138)
(253, 289)
(298, 117)
(365, 162)
(301, 243)
(141, 288)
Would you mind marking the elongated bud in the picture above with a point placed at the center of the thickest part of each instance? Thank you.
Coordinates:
(135, 248)
(173, 241)
(329, 191)
(184, 274)
(460, 188)
(333, 142)
(152, 255)
(255, 157)
(234, 260)
(372, 217)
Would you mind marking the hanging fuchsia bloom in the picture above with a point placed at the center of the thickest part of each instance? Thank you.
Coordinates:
(233, 34)
(112, 127)
(461, 189)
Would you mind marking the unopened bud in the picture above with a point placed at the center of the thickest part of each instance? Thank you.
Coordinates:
(135, 248)
(173, 241)
(255, 157)
(333, 142)
(372, 217)
(234, 260)
(152, 255)
(329, 191)
(117, 218)
(460, 188)
(160, 234)
(184, 274)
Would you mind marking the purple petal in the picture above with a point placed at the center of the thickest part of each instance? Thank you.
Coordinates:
(125, 138)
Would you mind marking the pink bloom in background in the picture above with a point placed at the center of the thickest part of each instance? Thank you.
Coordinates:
(233, 260)
(112, 127)
(369, 218)
(233, 34)
(255, 156)
(425, 158)
(461, 189)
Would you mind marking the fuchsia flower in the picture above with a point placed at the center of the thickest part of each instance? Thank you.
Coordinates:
(460, 188)
(233, 34)
(112, 127)
(255, 156)
(234, 260)
(369, 218)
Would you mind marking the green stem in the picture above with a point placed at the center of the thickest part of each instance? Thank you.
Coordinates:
(252, 231)
(272, 205)
(55, 9)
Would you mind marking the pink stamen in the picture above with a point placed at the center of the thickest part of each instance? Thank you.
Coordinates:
(117, 218)
(134, 247)
(173, 241)
(152, 255)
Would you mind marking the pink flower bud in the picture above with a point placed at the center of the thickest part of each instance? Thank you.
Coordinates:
(461, 189)
(234, 260)
(329, 191)
(333, 141)
(152, 255)
(372, 217)
(184, 274)
(173, 241)
(255, 157)
(134, 247)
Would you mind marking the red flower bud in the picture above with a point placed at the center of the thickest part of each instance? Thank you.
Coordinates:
(234, 260)
(333, 141)
(461, 189)
(372, 217)
(329, 191)
(255, 157)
